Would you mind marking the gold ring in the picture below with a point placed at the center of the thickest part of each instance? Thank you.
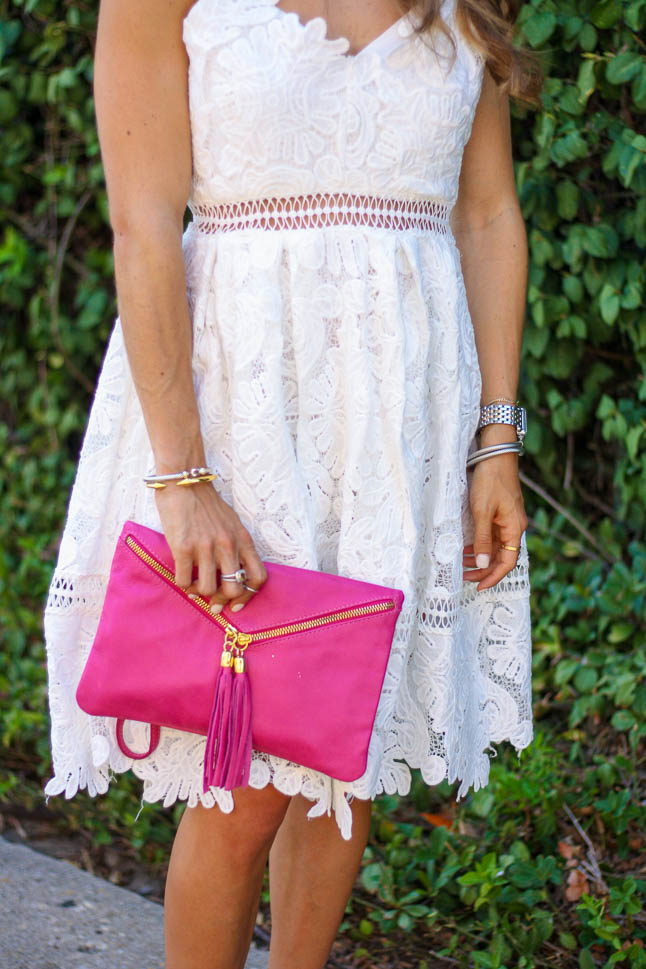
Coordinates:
(511, 548)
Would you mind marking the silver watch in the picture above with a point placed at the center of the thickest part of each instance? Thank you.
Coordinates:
(504, 414)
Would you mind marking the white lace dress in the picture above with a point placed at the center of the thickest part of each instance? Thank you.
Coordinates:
(338, 384)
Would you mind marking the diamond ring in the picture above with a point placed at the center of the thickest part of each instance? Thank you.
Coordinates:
(239, 576)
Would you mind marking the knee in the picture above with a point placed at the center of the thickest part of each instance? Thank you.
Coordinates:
(256, 817)
(245, 833)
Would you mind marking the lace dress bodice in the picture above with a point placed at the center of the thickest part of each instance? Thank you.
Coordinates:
(279, 109)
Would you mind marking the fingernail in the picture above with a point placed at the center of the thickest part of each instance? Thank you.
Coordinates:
(192, 595)
(238, 606)
(216, 607)
(482, 560)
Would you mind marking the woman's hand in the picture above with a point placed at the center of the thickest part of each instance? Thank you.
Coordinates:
(499, 518)
(202, 529)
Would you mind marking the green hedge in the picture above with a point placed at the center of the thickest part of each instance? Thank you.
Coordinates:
(581, 176)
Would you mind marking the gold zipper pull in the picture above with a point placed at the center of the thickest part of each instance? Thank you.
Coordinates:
(243, 641)
(229, 645)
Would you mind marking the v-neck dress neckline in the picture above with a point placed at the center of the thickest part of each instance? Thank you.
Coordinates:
(381, 44)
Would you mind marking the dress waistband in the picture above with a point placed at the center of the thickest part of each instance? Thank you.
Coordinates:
(326, 209)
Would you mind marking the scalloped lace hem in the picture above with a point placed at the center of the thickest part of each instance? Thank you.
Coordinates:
(336, 797)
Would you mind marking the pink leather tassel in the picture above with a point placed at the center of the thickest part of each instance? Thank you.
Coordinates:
(239, 740)
(218, 720)
(222, 743)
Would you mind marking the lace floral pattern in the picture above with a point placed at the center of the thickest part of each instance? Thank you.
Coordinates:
(302, 117)
(338, 384)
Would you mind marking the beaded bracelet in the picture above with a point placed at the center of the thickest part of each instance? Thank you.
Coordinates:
(192, 476)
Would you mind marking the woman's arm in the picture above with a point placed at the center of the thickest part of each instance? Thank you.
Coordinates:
(140, 91)
(141, 98)
(490, 233)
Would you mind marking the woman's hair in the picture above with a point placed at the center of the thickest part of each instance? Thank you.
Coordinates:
(490, 26)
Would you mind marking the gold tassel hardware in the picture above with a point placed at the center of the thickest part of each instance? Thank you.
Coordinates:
(235, 642)
(243, 640)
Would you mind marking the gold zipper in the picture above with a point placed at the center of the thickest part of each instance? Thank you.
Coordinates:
(242, 640)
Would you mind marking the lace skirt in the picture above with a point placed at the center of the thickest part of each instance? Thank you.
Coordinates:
(338, 385)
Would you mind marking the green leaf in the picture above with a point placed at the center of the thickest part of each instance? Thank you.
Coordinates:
(609, 304)
(586, 79)
(620, 631)
(634, 14)
(539, 27)
(630, 159)
(600, 240)
(565, 671)
(623, 67)
(8, 106)
(633, 438)
(573, 289)
(585, 679)
(638, 89)
(606, 407)
(482, 803)
(405, 922)
(623, 720)
(525, 875)
(535, 340)
(371, 877)
(541, 247)
(567, 199)
(606, 13)
(588, 38)
(568, 148)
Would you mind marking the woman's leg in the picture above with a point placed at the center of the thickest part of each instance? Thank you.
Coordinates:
(215, 877)
(311, 874)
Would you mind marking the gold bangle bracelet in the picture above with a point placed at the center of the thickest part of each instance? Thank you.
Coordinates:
(191, 476)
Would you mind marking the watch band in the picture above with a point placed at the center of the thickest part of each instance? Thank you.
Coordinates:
(498, 413)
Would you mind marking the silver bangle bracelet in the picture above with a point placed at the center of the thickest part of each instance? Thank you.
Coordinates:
(489, 452)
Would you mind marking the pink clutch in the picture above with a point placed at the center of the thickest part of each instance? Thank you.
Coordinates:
(297, 673)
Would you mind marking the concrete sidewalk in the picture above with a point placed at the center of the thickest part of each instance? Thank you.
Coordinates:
(54, 916)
